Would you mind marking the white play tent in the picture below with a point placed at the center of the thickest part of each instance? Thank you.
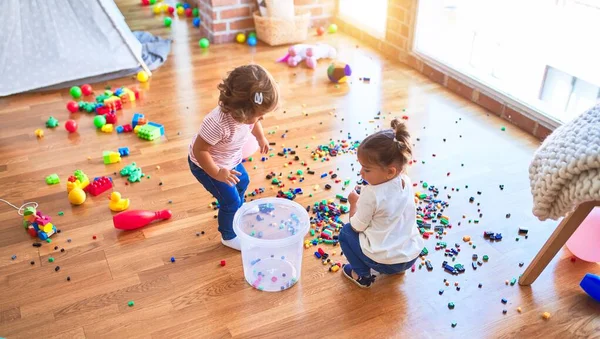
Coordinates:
(47, 43)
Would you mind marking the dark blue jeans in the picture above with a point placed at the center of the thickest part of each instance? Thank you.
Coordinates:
(361, 264)
(230, 197)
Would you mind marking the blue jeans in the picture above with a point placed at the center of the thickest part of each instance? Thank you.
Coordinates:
(230, 198)
(361, 264)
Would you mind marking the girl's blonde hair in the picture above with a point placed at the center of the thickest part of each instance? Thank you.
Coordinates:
(248, 91)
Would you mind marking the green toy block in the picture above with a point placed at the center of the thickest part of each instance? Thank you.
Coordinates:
(422, 196)
(52, 179)
(425, 185)
(29, 210)
(127, 170)
(344, 209)
(425, 251)
(51, 122)
(274, 181)
(149, 132)
(80, 176)
(300, 172)
(136, 175)
(339, 196)
(486, 258)
(444, 221)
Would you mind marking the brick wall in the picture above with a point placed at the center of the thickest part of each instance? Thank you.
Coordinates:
(222, 20)
(398, 44)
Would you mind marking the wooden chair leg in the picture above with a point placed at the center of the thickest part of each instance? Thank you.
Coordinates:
(556, 241)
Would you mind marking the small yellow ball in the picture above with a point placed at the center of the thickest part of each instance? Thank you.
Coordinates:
(157, 9)
(241, 38)
(180, 10)
(142, 76)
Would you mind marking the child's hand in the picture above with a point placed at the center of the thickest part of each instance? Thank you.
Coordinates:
(229, 177)
(264, 145)
(353, 197)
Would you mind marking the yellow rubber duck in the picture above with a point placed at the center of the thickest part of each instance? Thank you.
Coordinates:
(116, 203)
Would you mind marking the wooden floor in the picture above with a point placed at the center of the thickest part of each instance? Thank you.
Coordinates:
(195, 297)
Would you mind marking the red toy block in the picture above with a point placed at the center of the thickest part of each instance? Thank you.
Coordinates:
(111, 118)
(137, 94)
(127, 128)
(102, 110)
(223, 262)
(99, 186)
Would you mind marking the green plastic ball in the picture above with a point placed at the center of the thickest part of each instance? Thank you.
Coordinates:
(168, 21)
(333, 28)
(75, 92)
(152, 2)
(204, 43)
(179, 4)
(99, 121)
(195, 12)
(252, 34)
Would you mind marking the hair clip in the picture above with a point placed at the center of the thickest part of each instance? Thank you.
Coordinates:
(258, 98)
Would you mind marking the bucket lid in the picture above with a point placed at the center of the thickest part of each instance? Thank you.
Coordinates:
(271, 222)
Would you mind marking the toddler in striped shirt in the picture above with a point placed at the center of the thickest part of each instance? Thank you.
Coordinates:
(215, 154)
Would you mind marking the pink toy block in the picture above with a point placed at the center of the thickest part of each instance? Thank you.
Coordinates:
(42, 219)
(99, 186)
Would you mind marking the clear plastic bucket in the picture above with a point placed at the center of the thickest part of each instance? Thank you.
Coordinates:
(271, 232)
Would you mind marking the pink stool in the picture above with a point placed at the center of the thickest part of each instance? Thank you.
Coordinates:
(585, 242)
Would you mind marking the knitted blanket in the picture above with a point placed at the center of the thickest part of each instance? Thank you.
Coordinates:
(565, 170)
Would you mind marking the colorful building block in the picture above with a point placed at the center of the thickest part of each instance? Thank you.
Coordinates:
(124, 151)
(114, 103)
(119, 129)
(77, 180)
(111, 157)
(99, 185)
(39, 133)
(111, 118)
(51, 122)
(127, 128)
(108, 128)
(136, 119)
(159, 126)
(149, 132)
(52, 179)
(133, 172)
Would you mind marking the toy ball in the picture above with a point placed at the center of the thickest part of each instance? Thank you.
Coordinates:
(168, 21)
(195, 12)
(186, 6)
(252, 34)
(320, 30)
(204, 43)
(71, 126)
(180, 10)
(333, 28)
(165, 8)
(77, 196)
(188, 12)
(145, 2)
(142, 76)
(72, 106)
(178, 5)
(338, 72)
(241, 38)
(152, 2)
(75, 92)
(156, 9)
(86, 89)
(171, 10)
(99, 121)
(252, 41)
(196, 22)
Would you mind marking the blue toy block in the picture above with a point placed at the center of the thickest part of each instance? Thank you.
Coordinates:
(118, 92)
(35, 226)
(136, 117)
(42, 235)
(591, 285)
(119, 129)
(124, 151)
(159, 126)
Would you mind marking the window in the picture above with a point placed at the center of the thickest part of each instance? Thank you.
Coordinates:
(567, 93)
(541, 53)
(370, 16)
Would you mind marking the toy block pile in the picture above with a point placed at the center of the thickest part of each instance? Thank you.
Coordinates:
(37, 224)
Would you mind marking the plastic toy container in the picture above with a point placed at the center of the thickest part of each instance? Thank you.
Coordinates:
(271, 232)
